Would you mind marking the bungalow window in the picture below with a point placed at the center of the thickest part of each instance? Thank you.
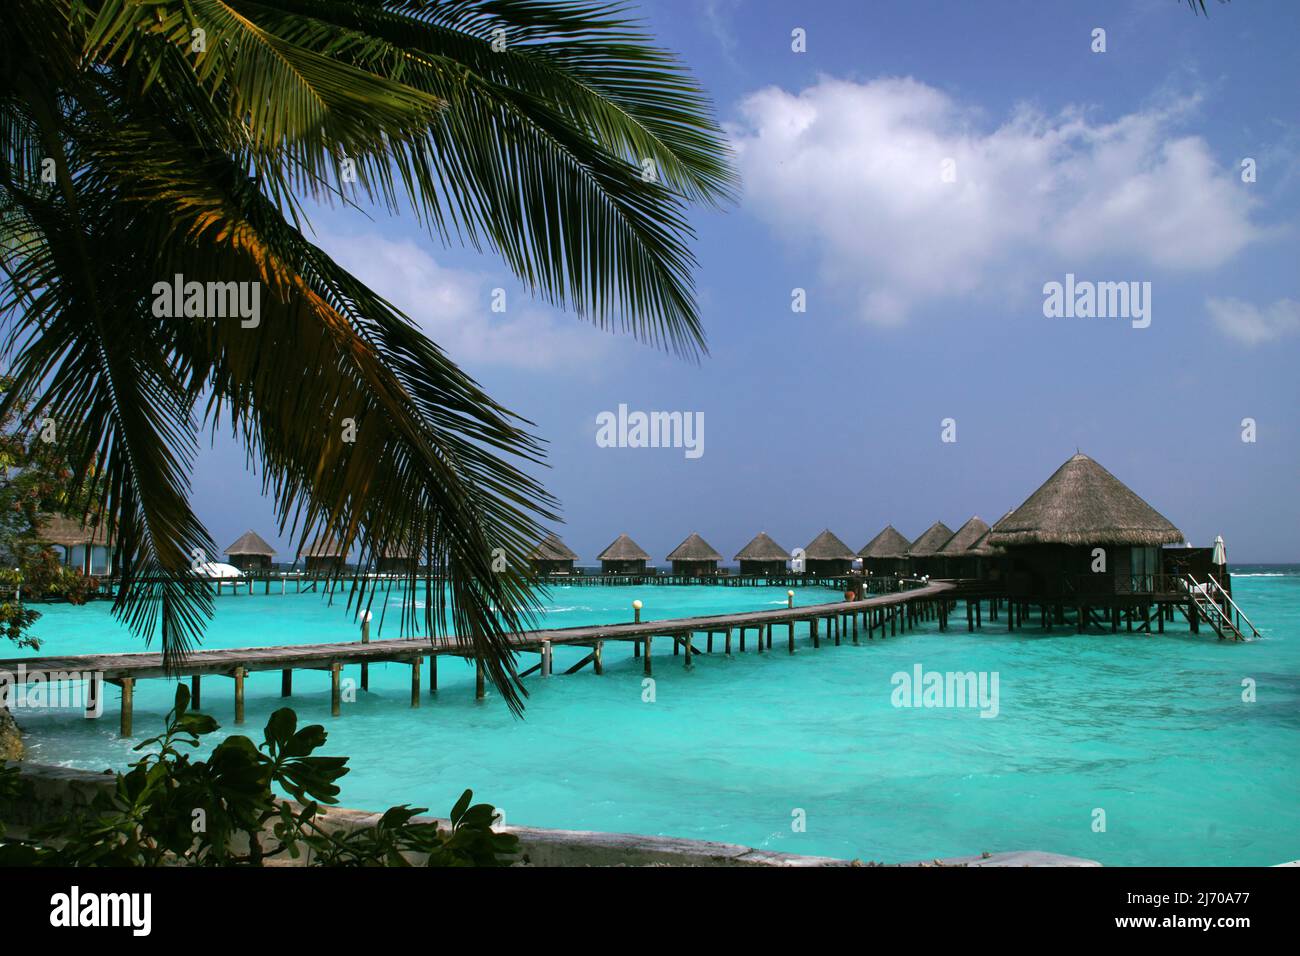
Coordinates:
(1144, 565)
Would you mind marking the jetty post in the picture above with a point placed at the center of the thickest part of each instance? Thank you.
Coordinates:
(365, 639)
(636, 645)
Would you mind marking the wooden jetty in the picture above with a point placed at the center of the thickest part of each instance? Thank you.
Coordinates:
(879, 615)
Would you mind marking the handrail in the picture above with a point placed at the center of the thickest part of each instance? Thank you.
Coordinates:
(1241, 615)
(1223, 617)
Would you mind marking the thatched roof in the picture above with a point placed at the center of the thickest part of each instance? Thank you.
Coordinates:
(973, 530)
(250, 542)
(623, 548)
(762, 548)
(827, 547)
(325, 546)
(551, 548)
(1083, 503)
(69, 532)
(888, 544)
(694, 548)
(932, 539)
(981, 544)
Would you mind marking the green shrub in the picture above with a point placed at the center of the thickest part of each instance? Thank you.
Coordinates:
(168, 809)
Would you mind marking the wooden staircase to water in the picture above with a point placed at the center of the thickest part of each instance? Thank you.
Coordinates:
(1214, 605)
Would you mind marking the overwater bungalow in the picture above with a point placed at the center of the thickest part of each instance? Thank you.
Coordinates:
(623, 556)
(695, 557)
(989, 558)
(250, 552)
(922, 553)
(552, 556)
(762, 557)
(955, 557)
(396, 560)
(90, 549)
(827, 556)
(886, 553)
(324, 554)
(1082, 535)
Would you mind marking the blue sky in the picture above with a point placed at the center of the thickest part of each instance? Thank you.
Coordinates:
(924, 296)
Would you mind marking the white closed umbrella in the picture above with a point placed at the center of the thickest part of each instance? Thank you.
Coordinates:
(1220, 557)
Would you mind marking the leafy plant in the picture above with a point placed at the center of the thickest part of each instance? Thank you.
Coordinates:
(223, 811)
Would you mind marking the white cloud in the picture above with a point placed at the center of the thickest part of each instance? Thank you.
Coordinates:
(454, 307)
(853, 170)
(1253, 325)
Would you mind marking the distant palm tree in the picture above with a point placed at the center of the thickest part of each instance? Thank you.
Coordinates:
(143, 139)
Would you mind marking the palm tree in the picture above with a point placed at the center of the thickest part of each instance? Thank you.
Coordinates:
(144, 139)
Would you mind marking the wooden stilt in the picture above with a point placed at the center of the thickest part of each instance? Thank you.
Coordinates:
(196, 698)
(480, 682)
(415, 680)
(286, 682)
(649, 641)
(336, 690)
(128, 705)
(239, 695)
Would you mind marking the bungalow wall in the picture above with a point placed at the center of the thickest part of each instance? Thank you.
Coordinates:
(828, 567)
(773, 568)
(1065, 572)
(1198, 562)
(323, 564)
(552, 566)
(886, 567)
(249, 562)
(695, 568)
(623, 566)
(931, 564)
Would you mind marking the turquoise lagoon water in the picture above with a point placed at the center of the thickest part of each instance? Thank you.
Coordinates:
(1151, 730)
